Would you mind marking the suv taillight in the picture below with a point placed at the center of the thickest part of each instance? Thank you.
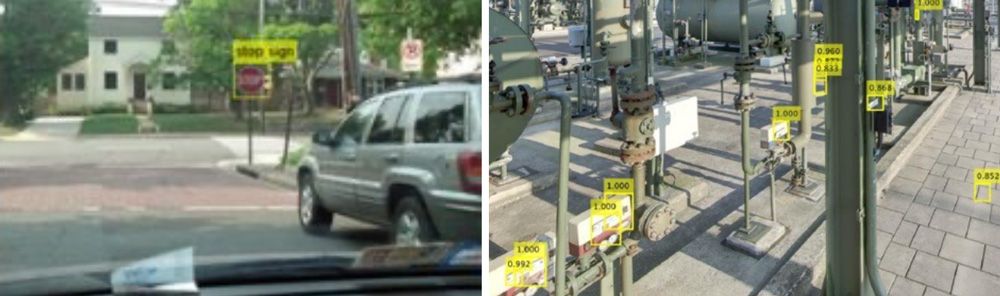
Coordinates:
(470, 171)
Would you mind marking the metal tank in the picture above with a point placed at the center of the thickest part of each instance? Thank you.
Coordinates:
(513, 61)
(610, 34)
(724, 18)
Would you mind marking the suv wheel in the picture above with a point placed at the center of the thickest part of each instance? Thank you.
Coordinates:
(312, 216)
(410, 223)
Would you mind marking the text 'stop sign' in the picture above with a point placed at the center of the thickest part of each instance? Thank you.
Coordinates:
(257, 51)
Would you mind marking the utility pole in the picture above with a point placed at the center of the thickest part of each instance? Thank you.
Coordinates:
(260, 35)
(351, 78)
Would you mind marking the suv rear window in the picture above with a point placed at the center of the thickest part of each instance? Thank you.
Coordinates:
(441, 118)
(387, 127)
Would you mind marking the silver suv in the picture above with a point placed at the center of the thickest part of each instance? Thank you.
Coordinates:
(409, 159)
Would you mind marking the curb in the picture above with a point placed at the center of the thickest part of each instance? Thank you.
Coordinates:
(280, 178)
(904, 148)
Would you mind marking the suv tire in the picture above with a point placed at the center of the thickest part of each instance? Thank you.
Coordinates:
(312, 216)
(410, 224)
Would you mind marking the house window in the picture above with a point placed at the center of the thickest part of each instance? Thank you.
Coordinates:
(110, 80)
(169, 81)
(67, 81)
(79, 82)
(110, 46)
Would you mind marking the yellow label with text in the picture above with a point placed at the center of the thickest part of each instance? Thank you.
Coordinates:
(263, 51)
(790, 113)
(619, 185)
(984, 177)
(880, 88)
(829, 59)
(527, 268)
(921, 5)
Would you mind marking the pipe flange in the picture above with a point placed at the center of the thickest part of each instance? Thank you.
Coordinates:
(639, 102)
(745, 103)
(656, 222)
(634, 153)
(745, 63)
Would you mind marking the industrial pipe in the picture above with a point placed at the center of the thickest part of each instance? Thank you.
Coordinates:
(868, 176)
(562, 208)
(802, 90)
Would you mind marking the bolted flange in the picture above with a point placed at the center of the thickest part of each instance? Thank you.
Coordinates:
(656, 221)
(634, 153)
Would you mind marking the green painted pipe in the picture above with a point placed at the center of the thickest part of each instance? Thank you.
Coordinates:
(844, 107)
(562, 214)
(868, 179)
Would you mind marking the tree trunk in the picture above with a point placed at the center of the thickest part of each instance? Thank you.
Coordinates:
(309, 94)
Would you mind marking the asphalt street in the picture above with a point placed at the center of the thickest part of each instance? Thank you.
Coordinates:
(92, 201)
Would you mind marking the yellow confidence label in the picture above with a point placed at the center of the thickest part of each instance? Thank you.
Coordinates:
(829, 59)
(984, 177)
(790, 113)
(527, 267)
(921, 5)
(877, 93)
(619, 185)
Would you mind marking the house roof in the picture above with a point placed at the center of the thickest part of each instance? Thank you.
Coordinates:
(126, 26)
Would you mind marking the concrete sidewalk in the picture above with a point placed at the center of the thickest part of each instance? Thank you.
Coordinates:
(49, 128)
(934, 239)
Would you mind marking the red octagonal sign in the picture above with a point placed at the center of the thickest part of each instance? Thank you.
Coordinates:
(250, 79)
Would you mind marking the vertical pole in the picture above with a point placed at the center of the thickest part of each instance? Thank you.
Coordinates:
(844, 153)
(524, 15)
(260, 33)
(979, 66)
(802, 85)
(873, 282)
(744, 104)
(248, 111)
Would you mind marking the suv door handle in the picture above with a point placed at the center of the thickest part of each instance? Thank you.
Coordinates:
(350, 157)
(392, 157)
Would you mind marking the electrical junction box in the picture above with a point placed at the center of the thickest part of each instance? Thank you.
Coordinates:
(577, 35)
(587, 233)
(676, 120)
(770, 138)
(495, 279)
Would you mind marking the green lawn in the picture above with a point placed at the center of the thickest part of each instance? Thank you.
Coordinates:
(109, 124)
(198, 122)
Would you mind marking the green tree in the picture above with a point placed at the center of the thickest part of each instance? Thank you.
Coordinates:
(37, 38)
(443, 25)
(316, 44)
(203, 31)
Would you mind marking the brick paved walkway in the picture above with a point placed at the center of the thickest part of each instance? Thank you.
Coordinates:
(933, 240)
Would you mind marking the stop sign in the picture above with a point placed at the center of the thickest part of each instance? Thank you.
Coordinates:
(250, 79)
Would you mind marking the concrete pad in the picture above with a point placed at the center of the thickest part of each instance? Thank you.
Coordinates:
(761, 236)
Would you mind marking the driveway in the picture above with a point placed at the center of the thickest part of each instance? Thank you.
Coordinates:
(49, 128)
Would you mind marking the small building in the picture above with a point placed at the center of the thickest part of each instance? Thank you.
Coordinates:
(375, 80)
(117, 70)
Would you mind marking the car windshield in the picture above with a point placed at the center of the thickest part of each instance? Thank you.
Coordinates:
(241, 130)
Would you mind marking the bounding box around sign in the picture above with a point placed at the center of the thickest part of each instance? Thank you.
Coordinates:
(984, 177)
(239, 94)
(528, 267)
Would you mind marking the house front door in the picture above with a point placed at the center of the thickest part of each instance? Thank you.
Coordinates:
(139, 86)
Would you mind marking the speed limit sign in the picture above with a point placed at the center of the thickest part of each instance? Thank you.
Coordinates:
(411, 53)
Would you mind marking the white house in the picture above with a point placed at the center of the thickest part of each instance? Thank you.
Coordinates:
(116, 71)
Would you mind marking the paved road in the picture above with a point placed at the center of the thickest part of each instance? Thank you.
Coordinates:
(91, 201)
